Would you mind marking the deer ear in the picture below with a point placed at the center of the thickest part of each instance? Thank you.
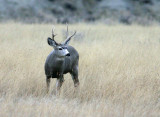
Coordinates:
(51, 42)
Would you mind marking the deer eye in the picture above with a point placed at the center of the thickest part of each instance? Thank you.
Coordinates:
(60, 49)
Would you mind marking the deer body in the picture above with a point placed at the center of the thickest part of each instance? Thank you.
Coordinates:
(63, 59)
(56, 66)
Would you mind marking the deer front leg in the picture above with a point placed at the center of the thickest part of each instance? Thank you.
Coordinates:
(58, 85)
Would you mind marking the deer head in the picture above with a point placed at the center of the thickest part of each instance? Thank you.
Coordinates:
(60, 48)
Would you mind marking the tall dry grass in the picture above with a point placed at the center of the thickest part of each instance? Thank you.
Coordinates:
(119, 72)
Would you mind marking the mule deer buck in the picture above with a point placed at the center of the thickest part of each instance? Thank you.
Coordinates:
(63, 59)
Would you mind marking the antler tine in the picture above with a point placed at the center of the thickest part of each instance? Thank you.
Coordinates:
(53, 35)
(69, 38)
(67, 31)
(72, 35)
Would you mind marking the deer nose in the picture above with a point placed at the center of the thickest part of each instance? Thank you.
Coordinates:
(68, 54)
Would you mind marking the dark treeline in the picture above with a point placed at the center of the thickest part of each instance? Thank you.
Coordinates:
(72, 11)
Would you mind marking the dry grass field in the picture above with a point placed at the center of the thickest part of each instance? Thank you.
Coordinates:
(119, 72)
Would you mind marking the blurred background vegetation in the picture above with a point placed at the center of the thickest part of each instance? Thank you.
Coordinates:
(72, 11)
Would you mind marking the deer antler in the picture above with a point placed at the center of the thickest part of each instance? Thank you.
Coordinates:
(71, 35)
(53, 35)
(69, 38)
(67, 31)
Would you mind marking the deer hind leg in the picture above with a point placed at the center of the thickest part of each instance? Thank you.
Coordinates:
(76, 83)
(75, 79)
(48, 83)
(58, 85)
(74, 75)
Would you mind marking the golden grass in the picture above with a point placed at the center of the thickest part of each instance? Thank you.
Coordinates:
(119, 71)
